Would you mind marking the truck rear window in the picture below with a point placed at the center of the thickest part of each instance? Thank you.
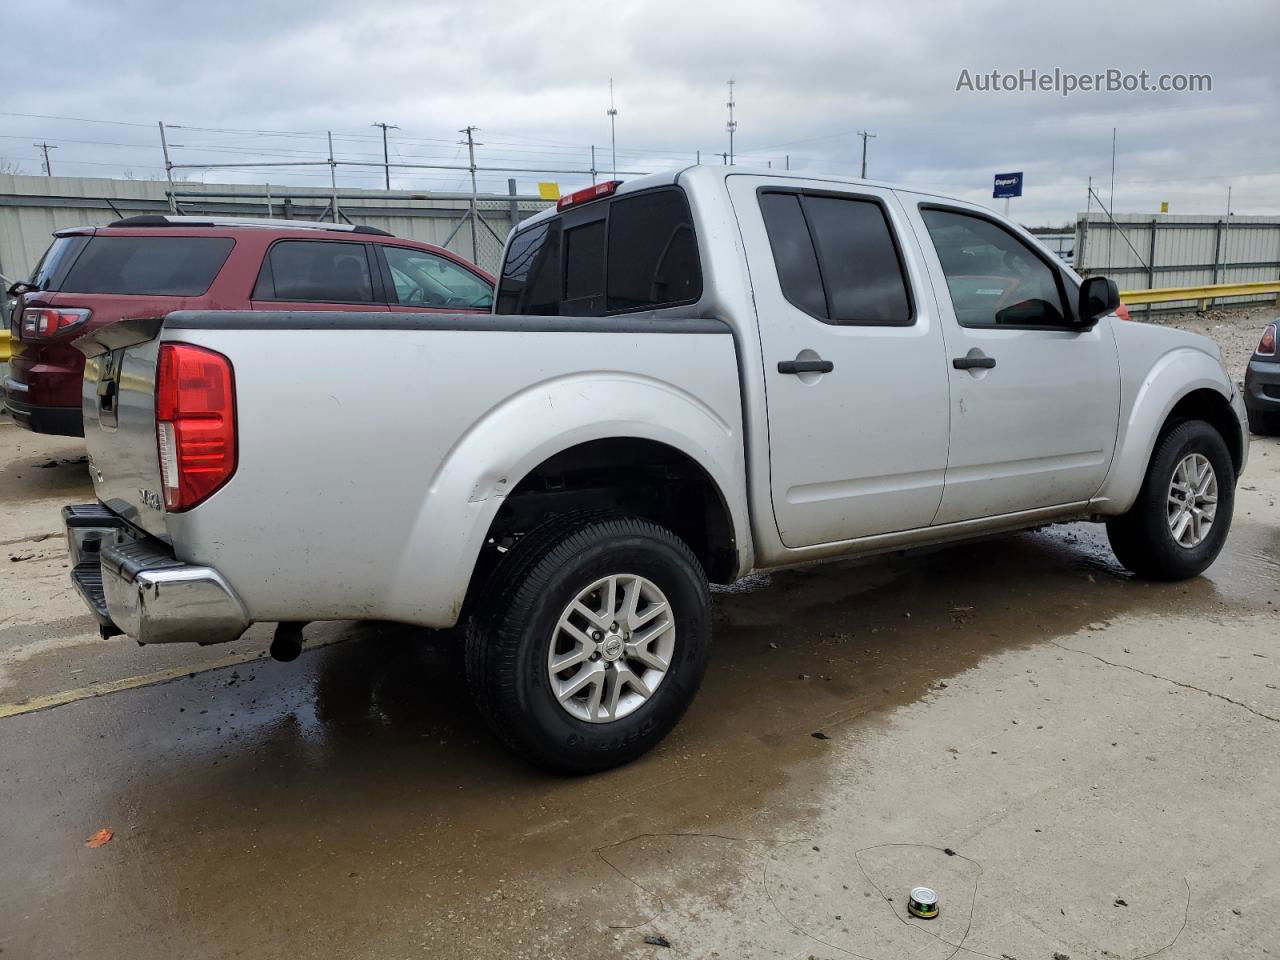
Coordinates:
(641, 253)
(148, 266)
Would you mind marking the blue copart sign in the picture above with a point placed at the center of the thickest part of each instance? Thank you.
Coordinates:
(1007, 185)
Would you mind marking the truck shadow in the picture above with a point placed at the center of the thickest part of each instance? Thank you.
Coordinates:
(36, 467)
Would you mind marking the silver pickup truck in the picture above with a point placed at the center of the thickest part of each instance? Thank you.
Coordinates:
(686, 378)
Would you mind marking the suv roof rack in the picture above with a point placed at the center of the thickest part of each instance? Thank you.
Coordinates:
(158, 220)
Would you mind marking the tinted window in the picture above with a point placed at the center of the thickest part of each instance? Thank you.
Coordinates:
(55, 261)
(793, 252)
(318, 270)
(143, 266)
(859, 262)
(423, 279)
(653, 256)
(584, 261)
(530, 282)
(994, 278)
(652, 259)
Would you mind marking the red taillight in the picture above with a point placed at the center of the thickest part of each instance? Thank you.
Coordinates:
(1122, 312)
(587, 194)
(195, 423)
(1267, 345)
(43, 323)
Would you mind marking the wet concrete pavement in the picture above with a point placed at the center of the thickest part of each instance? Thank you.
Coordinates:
(1098, 753)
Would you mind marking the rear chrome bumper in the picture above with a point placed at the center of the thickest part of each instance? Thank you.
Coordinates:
(134, 585)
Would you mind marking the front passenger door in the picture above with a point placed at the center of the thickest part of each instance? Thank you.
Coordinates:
(1035, 398)
(419, 281)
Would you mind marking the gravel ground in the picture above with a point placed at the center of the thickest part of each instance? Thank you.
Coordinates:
(1236, 330)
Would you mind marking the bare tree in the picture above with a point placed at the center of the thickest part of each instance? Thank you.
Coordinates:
(12, 167)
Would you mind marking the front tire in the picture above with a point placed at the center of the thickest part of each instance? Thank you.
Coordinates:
(1179, 523)
(590, 642)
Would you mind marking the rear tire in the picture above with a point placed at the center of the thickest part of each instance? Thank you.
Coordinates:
(623, 596)
(1173, 530)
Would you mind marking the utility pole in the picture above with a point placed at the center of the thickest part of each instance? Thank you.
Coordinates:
(471, 162)
(732, 125)
(386, 160)
(333, 177)
(46, 147)
(613, 136)
(865, 137)
(168, 168)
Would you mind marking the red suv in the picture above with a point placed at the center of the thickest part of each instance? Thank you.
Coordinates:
(147, 266)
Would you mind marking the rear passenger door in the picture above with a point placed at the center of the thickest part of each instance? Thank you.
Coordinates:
(854, 364)
(318, 275)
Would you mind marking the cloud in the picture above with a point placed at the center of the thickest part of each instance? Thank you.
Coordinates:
(534, 78)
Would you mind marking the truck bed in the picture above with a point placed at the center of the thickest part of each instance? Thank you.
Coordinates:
(371, 448)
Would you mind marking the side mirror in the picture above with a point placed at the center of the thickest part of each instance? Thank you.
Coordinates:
(1099, 296)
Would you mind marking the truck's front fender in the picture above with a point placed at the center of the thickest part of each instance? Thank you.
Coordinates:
(1173, 376)
(527, 428)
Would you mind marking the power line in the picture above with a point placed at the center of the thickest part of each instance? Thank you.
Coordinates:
(42, 116)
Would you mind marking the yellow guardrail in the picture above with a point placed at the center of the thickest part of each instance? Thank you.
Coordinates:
(4, 346)
(1204, 294)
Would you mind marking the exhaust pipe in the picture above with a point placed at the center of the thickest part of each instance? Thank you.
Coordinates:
(286, 645)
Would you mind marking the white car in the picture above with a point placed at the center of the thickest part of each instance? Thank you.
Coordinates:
(687, 377)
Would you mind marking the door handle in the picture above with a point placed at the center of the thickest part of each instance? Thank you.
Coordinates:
(805, 366)
(971, 363)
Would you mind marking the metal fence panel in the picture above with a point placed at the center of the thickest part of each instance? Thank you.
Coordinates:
(1154, 251)
(32, 208)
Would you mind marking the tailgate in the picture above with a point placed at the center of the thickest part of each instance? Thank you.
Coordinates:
(118, 402)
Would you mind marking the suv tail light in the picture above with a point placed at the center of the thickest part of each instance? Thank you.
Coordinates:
(1267, 345)
(44, 323)
(195, 423)
(587, 194)
(1122, 313)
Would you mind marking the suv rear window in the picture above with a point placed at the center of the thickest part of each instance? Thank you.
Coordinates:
(60, 255)
(148, 266)
(325, 271)
(639, 251)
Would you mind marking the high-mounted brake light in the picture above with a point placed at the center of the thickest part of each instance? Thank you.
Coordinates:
(44, 323)
(195, 423)
(587, 194)
(1267, 345)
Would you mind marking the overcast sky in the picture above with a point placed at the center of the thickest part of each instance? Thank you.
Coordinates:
(534, 78)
